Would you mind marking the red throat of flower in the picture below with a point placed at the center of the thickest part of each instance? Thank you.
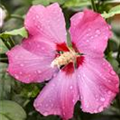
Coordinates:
(68, 59)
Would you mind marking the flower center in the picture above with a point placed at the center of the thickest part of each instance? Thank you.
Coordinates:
(65, 58)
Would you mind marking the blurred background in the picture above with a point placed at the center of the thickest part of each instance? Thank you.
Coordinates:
(16, 99)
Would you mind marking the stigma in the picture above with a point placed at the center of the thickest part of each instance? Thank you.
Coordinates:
(65, 58)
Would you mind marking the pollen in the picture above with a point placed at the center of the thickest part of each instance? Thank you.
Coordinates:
(64, 58)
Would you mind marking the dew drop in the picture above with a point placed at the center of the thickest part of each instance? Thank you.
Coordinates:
(64, 113)
(53, 85)
(55, 112)
(71, 87)
(34, 18)
(87, 106)
(38, 46)
(43, 48)
(45, 113)
(39, 71)
(109, 92)
(109, 81)
(73, 101)
(96, 35)
(83, 75)
(91, 37)
(46, 105)
(16, 76)
(89, 29)
(87, 34)
(38, 27)
(98, 32)
(79, 76)
(100, 109)
(37, 16)
(95, 111)
(81, 97)
(112, 72)
(51, 105)
(21, 65)
(117, 85)
(97, 99)
(20, 73)
(106, 37)
(102, 99)
(87, 40)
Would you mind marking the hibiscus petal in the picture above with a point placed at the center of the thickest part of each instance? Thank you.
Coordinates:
(89, 32)
(30, 61)
(46, 21)
(98, 84)
(58, 97)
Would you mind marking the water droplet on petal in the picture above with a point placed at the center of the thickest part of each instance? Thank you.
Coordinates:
(39, 71)
(102, 99)
(51, 105)
(98, 32)
(42, 48)
(71, 87)
(73, 101)
(87, 106)
(87, 40)
(117, 85)
(55, 112)
(100, 109)
(112, 72)
(89, 29)
(45, 113)
(21, 65)
(87, 34)
(37, 16)
(95, 111)
(53, 85)
(20, 73)
(64, 113)
(46, 105)
(91, 37)
(79, 76)
(16, 76)
(83, 75)
(96, 35)
(109, 92)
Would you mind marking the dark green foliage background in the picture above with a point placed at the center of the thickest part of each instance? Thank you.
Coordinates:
(24, 94)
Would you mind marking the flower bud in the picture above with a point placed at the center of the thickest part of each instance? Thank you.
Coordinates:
(3, 15)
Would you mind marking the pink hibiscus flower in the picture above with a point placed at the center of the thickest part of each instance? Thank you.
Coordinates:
(73, 76)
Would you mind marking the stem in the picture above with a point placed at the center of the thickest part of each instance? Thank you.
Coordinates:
(6, 44)
(4, 60)
(12, 43)
(118, 100)
(118, 55)
(16, 16)
(94, 5)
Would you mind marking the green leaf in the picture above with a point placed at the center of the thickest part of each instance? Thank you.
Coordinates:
(114, 11)
(6, 82)
(3, 48)
(47, 2)
(69, 43)
(2, 117)
(76, 3)
(22, 32)
(11, 111)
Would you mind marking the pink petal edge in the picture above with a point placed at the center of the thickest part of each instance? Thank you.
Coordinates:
(90, 33)
(98, 84)
(48, 22)
(58, 97)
